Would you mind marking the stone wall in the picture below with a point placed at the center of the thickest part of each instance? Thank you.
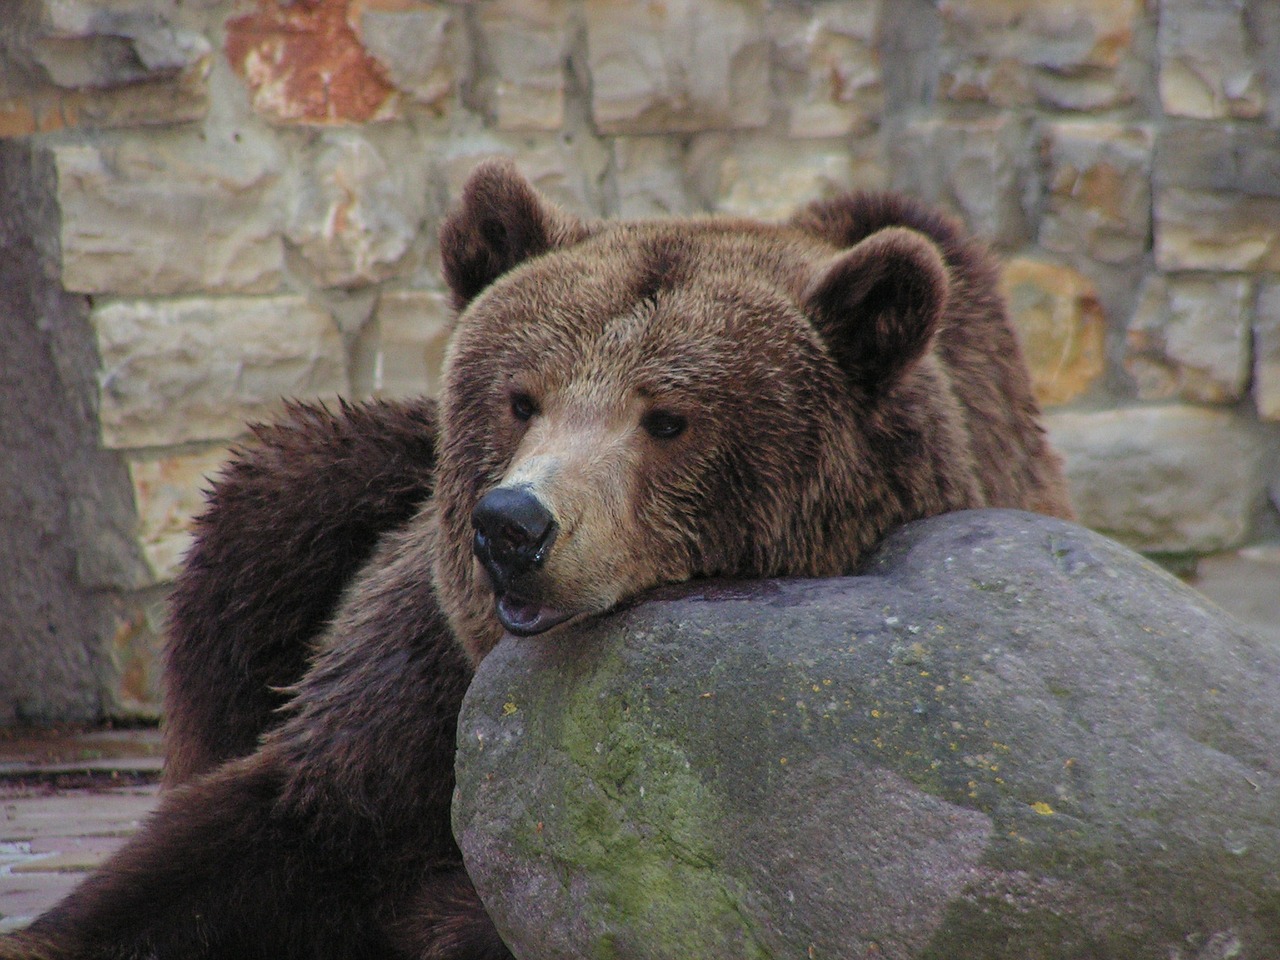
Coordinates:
(223, 203)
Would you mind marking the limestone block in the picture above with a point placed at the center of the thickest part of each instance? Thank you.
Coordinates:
(181, 100)
(1237, 157)
(1207, 65)
(1023, 52)
(526, 42)
(1164, 479)
(414, 328)
(1189, 338)
(174, 214)
(1086, 33)
(829, 67)
(168, 491)
(1266, 347)
(676, 67)
(135, 646)
(417, 44)
(1215, 230)
(69, 63)
(80, 45)
(304, 64)
(762, 177)
(358, 207)
(1060, 324)
(23, 116)
(185, 370)
(975, 168)
(649, 177)
(48, 109)
(1263, 31)
(1098, 190)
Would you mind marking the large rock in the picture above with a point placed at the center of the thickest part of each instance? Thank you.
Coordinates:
(754, 176)
(413, 332)
(80, 44)
(96, 65)
(416, 46)
(1233, 158)
(168, 491)
(1010, 738)
(65, 511)
(649, 177)
(828, 66)
(525, 44)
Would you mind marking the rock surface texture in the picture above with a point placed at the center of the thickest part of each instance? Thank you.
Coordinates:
(1010, 738)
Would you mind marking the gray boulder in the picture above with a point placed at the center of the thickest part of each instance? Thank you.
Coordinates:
(1010, 738)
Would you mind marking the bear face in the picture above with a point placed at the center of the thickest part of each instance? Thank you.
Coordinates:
(630, 404)
(636, 411)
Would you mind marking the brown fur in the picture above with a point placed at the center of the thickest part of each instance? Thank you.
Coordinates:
(313, 496)
(679, 399)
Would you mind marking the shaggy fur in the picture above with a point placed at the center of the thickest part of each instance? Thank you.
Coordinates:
(679, 399)
(313, 496)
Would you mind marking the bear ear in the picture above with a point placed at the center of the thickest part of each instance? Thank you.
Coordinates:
(501, 222)
(879, 304)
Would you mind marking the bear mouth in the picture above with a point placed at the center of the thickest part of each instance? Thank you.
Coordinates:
(527, 618)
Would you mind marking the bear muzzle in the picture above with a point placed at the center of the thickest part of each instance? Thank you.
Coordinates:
(514, 533)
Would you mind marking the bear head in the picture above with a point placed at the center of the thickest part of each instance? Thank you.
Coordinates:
(627, 404)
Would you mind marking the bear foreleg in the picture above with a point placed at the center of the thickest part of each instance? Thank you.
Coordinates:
(223, 871)
(289, 520)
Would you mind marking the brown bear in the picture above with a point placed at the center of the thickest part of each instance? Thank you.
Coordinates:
(625, 404)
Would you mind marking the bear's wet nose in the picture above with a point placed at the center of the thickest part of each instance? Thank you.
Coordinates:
(514, 532)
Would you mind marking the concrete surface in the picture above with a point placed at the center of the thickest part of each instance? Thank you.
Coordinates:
(67, 800)
(1246, 583)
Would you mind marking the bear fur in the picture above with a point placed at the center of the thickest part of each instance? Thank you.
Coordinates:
(625, 404)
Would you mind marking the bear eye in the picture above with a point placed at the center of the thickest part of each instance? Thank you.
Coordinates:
(663, 425)
(523, 407)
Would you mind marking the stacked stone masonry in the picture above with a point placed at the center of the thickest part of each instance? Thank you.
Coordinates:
(243, 197)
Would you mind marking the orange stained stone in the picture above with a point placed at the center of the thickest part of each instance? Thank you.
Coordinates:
(41, 112)
(304, 64)
(17, 119)
(1060, 324)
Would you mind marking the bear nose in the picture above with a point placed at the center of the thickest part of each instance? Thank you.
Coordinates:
(513, 532)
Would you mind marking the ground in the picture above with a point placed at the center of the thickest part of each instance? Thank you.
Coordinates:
(67, 800)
